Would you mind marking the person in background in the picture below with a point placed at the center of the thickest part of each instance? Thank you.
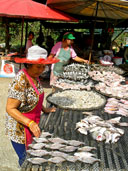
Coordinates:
(40, 40)
(49, 43)
(126, 52)
(29, 41)
(63, 51)
(25, 101)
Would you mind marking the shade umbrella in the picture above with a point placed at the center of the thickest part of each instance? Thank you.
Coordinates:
(105, 9)
(28, 9)
(112, 9)
(31, 10)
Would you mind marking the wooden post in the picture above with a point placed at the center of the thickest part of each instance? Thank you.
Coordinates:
(22, 30)
(22, 36)
(26, 32)
(92, 36)
(7, 36)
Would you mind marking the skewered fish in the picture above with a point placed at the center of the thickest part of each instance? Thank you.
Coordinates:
(68, 149)
(89, 160)
(75, 143)
(59, 154)
(38, 153)
(86, 148)
(86, 157)
(45, 134)
(36, 160)
(72, 158)
(55, 146)
(57, 140)
(84, 154)
(37, 146)
(56, 160)
(40, 140)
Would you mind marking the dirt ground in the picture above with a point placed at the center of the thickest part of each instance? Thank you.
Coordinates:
(8, 157)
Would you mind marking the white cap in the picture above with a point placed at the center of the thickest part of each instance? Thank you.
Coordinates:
(36, 52)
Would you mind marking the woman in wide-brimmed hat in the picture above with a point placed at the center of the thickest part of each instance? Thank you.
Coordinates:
(25, 101)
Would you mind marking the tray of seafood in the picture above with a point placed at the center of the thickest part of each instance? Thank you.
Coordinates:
(106, 77)
(99, 67)
(55, 150)
(118, 92)
(77, 100)
(62, 84)
(105, 94)
(75, 73)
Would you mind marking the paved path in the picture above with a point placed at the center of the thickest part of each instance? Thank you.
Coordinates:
(8, 157)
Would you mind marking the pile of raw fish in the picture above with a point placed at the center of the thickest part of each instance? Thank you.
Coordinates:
(110, 84)
(99, 67)
(100, 129)
(64, 84)
(106, 77)
(56, 150)
(74, 76)
(115, 106)
(75, 99)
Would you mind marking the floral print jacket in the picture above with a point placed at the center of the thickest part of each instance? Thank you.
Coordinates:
(22, 90)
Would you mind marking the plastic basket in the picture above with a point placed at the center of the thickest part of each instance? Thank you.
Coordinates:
(117, 60)
(126, 61)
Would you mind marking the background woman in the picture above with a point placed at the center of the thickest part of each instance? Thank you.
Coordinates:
(29, 41)
(63, 51)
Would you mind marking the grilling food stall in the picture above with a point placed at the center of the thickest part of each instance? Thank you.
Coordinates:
(88, 131)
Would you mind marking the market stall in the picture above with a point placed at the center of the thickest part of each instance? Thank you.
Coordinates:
(93, 118)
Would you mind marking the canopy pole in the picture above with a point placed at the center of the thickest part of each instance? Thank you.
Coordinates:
(119, 34)
(26, 32)
(92, 36)
(7, 37)
(21, 39)
(22, 36)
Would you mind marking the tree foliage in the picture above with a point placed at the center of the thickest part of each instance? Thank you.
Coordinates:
(15, 29)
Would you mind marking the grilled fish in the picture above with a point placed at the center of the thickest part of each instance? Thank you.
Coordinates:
(36, 160)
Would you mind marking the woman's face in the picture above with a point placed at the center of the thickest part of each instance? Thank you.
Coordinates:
(36, 70)
(31, 36)
(69, 42)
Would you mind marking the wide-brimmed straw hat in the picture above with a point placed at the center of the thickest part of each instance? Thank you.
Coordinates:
(36, 55)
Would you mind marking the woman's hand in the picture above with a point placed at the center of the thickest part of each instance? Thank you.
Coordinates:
(86, 61)
(78, 59)
(49, 110)
(34, 128)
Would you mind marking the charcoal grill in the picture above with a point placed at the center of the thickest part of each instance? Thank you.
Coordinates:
(114, 157)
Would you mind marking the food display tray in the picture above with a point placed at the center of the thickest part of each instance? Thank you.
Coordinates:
(77, 109)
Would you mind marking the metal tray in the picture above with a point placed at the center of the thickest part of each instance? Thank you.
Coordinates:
(109, 95)
(78, 109)
(99, 67)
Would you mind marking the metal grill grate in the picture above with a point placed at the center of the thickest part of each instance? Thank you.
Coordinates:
(114, 157)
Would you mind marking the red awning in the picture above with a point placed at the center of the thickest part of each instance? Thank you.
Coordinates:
(31, 10)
